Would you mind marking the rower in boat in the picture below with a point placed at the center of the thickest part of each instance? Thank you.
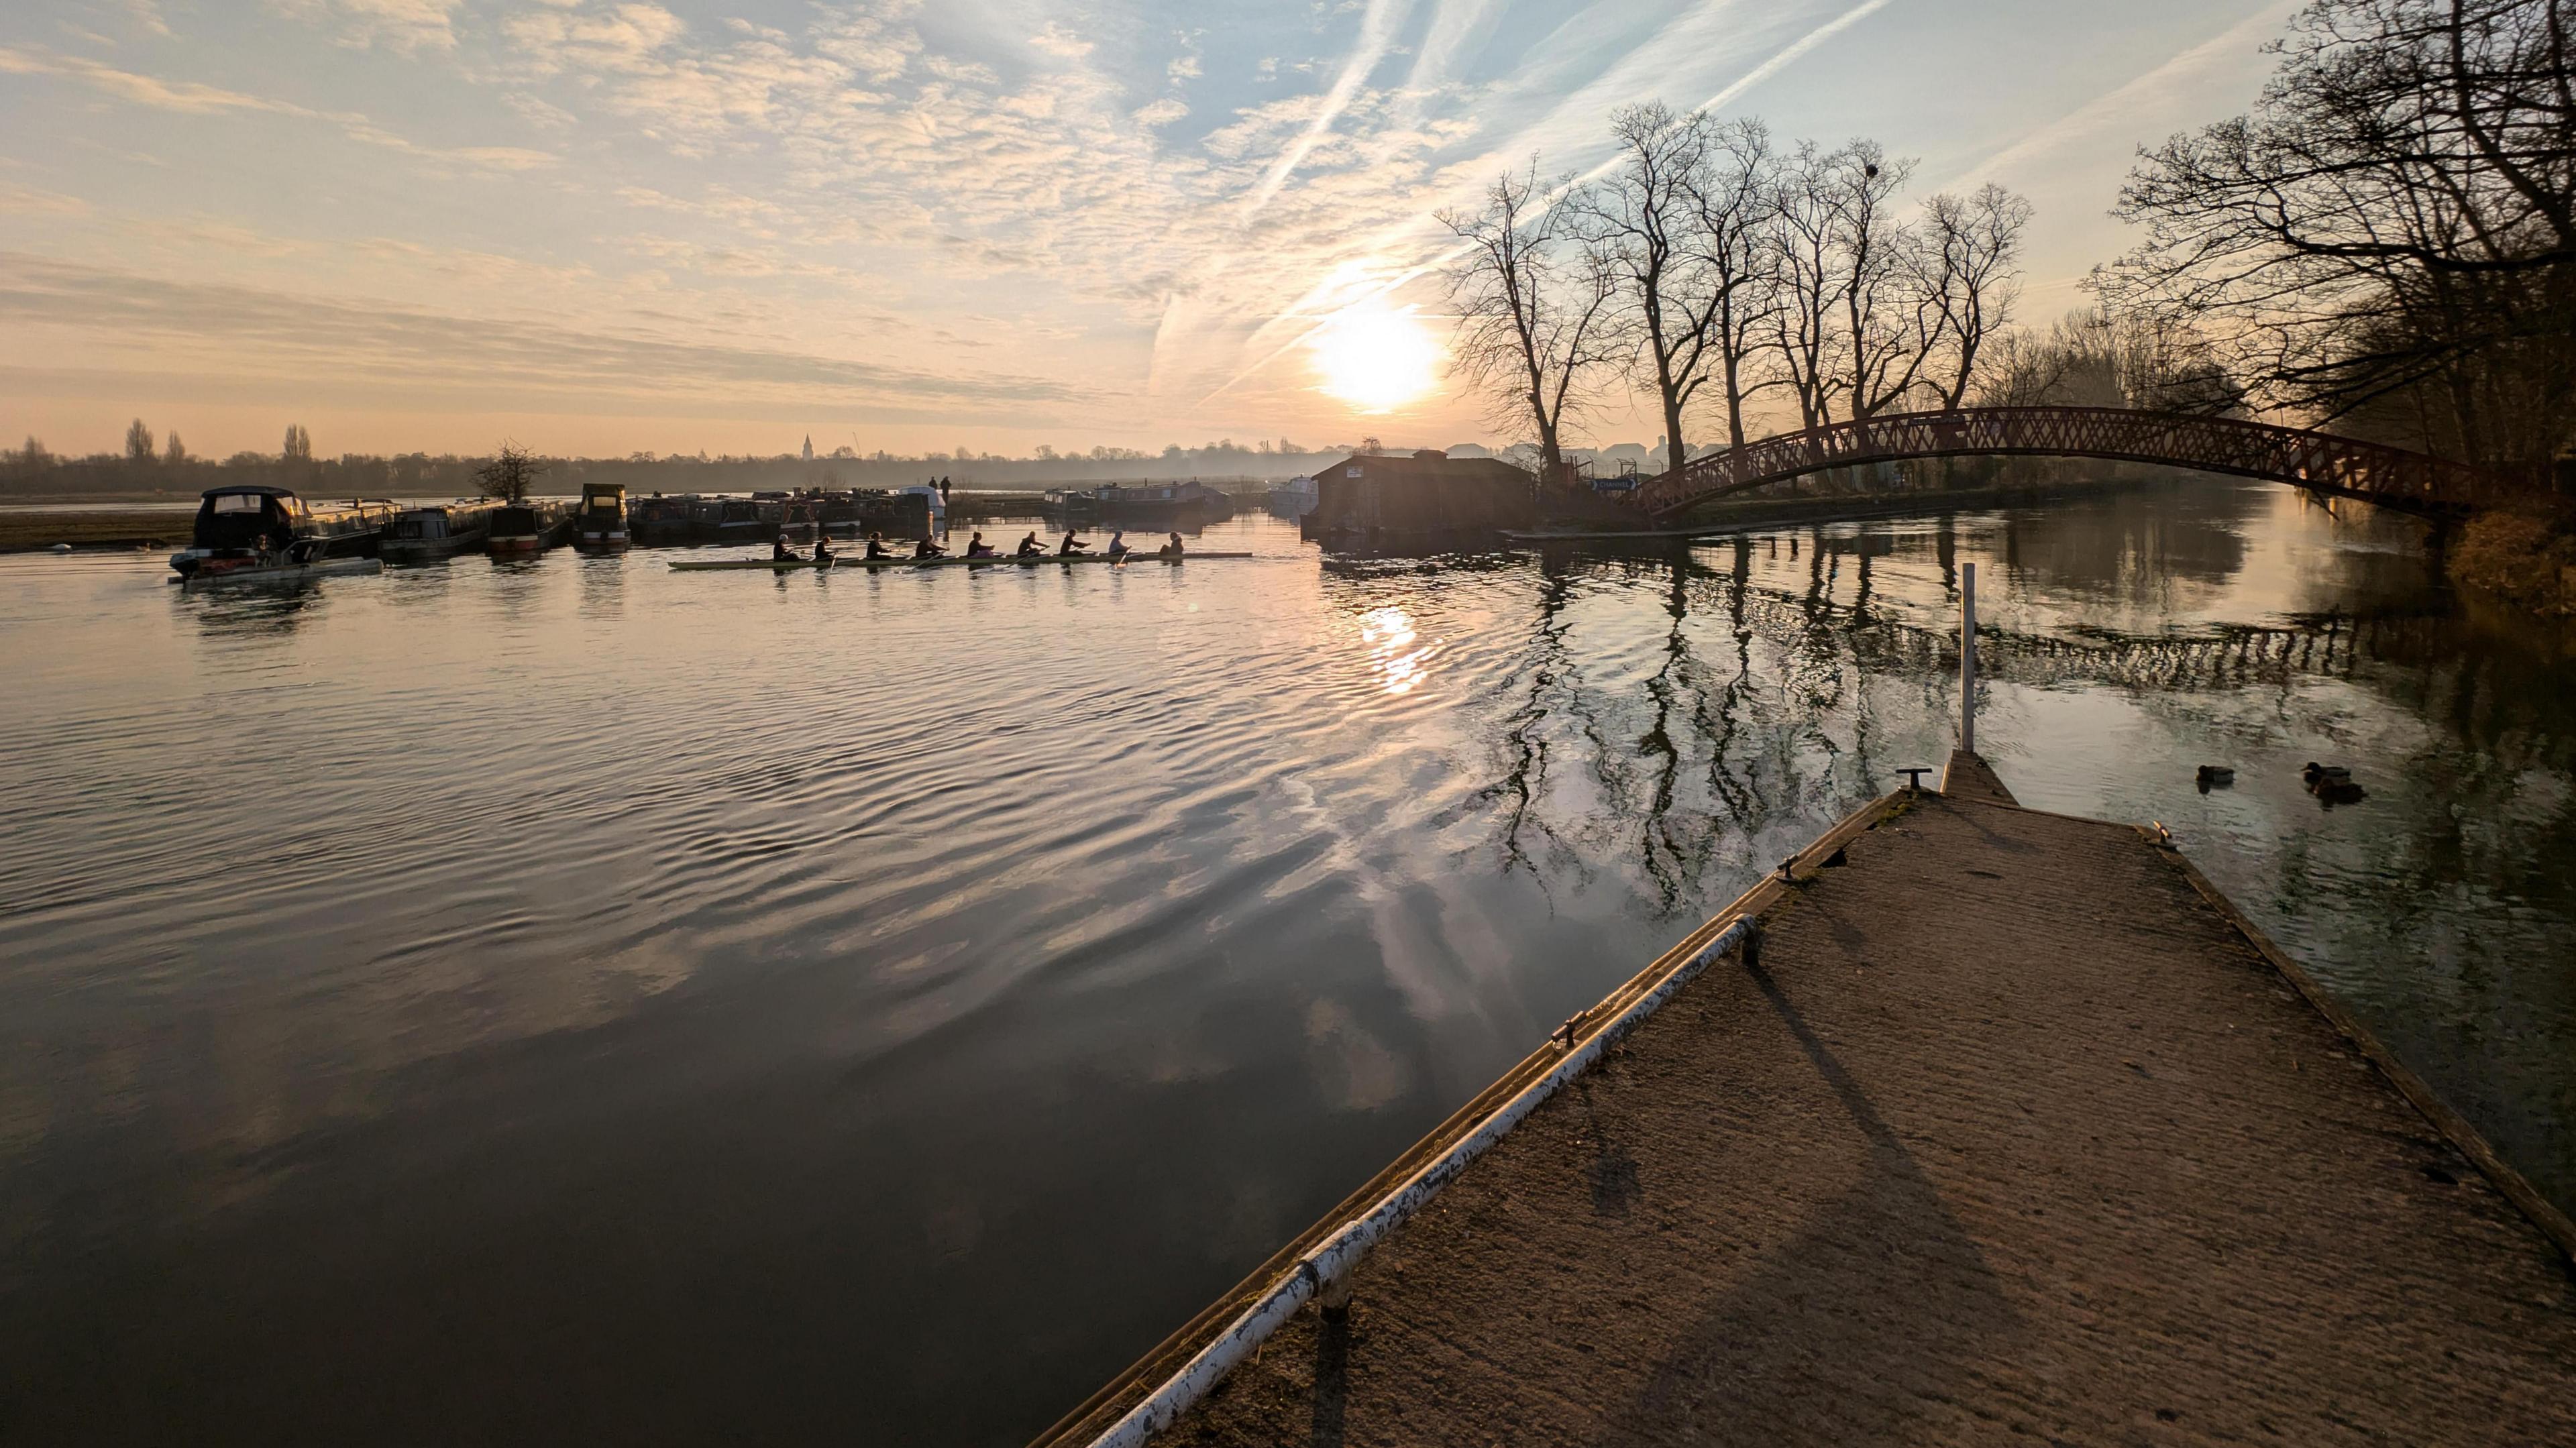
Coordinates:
(976, 547)
(1118, 543)
(876, 546)
(822, 548)
(1030, 547)
(779, 552)
(925, 550)
(1071, 545)
(1171, 549)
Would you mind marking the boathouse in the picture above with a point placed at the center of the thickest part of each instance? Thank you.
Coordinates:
(1393, 498)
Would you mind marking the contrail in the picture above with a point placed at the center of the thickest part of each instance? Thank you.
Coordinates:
(1377, 31)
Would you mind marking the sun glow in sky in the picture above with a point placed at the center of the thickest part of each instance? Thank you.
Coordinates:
(1376, 357)
(608, 225)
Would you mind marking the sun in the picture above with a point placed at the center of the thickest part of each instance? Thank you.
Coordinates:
(1375, 357)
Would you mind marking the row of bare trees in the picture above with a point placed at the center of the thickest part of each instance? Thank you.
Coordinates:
(1708, 267)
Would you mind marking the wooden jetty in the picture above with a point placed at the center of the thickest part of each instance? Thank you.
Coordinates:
(2003, 1126)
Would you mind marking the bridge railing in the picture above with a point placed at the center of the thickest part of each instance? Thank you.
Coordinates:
(2301, 458)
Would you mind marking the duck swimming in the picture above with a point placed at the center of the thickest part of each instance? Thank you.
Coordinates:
(2332, 784)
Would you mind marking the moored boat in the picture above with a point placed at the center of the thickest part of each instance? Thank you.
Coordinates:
(252, 525)
(274, 569)
(600, 526)
(442, 531)
(521, 530)
(666, 518)
(1294, 498)
(1156, 503)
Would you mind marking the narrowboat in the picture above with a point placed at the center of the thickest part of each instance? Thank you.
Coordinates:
(667, 518)
(522, 530)
(419, 534)
(600, 526)
(248, 527)
(749, 520)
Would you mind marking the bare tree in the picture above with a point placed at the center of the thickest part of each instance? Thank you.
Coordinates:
(2019, 368)
(299, 445)
(1640, 221)
(138, 442)
(2395, 219)
(1891, 322)
(509, 475)
(174, 452)
(1533, 321)
(1731, 197)
(1807, 270)
(1972, 248)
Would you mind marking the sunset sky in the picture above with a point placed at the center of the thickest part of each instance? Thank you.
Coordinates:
(603, 227)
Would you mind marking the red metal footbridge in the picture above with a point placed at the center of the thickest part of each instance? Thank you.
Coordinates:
(2317, 461)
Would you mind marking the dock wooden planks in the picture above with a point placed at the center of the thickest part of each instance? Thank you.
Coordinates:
(2013, 1131)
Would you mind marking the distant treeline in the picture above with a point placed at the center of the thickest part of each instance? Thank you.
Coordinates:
(33, 469)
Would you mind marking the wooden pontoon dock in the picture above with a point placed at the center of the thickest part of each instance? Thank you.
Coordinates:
(2007, 1127)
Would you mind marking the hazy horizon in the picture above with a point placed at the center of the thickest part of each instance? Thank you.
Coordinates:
(421, 225)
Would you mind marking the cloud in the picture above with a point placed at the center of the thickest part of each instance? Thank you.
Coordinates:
(187, 97)
(1377, 30)
(618, 38)
(1161, 113)
(1057, 41)
(2151, 90)
(396, 24)
(264, 330)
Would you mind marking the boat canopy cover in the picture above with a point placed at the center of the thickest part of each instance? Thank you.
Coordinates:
(258, 489)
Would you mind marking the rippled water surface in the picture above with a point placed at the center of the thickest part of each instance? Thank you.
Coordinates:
(577, 1001)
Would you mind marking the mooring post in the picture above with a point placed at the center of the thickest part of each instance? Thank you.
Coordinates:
(1967, 658)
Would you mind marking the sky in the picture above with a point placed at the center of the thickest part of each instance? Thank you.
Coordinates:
(604, 226)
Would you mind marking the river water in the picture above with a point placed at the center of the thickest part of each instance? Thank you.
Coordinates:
(577, 1001)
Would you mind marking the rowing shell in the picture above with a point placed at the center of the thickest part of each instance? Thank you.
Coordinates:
(781, 565)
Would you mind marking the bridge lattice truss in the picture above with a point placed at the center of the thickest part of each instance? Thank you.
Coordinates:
(2312, 460)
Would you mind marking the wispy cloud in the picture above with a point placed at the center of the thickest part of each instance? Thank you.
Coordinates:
(2149, 92)
(398, 24)
(1378, 24)
(190, 98)
(265, 330)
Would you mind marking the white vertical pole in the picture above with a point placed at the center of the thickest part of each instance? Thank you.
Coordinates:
(1968, 658)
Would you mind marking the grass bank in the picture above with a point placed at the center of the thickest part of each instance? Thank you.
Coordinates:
(95, 529)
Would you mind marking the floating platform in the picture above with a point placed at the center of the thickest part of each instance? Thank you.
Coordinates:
(2006, 1127)
(792, 565)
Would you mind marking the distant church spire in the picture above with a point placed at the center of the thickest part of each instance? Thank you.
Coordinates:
(809, 447)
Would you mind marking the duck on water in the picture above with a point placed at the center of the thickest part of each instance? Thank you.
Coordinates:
(248, 531)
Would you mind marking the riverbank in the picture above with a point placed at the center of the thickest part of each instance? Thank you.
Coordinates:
(93, 529)
(2525, 556)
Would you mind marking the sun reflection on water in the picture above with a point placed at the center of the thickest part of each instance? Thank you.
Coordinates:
(1396, 655)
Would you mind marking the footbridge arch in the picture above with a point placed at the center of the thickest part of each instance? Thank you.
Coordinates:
(2319, 462)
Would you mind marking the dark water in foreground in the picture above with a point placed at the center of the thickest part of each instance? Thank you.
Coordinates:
(576, 1001)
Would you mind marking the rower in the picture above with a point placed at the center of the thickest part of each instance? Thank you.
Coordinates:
(822, 545)
(976, 547)
(779, 552)
(1118, 543)
(876, 546)
(1071, 545)
(1171, 549)
(1030, 547)
(926, 549)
